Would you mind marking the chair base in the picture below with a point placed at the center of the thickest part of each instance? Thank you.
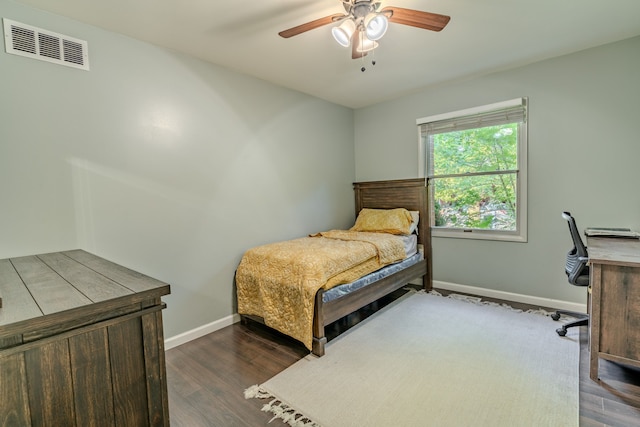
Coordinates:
(582, 319)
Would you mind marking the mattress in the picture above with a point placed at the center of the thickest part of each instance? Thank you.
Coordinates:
(413, 257)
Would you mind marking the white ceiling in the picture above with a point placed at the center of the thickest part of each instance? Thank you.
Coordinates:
(482, 36)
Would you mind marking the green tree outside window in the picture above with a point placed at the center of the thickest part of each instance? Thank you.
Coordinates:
(475, 178)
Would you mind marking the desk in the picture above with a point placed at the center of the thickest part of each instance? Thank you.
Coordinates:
(614, 323)
(81, 343)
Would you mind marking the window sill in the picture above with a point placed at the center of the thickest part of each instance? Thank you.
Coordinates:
(479, 235)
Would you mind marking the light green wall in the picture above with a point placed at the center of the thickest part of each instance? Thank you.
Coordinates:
(583, 157)
(163, 163)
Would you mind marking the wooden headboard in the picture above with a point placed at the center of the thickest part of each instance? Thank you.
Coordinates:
(410, 194)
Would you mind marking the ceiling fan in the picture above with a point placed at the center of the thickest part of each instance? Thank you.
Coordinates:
(363, 25)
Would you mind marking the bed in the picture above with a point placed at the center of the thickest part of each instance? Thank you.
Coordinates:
(330, 303)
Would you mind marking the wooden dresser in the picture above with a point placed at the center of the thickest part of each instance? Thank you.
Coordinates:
(81, 343)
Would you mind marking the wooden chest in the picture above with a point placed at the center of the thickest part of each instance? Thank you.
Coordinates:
(81, 343)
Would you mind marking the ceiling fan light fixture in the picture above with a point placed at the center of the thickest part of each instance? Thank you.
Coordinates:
(376, 25)
(343, 32)
(365, 45)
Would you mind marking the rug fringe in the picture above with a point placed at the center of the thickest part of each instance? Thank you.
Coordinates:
(255, 392)
(478, 301)
(279, 409)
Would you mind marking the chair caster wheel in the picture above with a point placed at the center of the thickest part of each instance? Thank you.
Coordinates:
(555, 316)
(561, 331)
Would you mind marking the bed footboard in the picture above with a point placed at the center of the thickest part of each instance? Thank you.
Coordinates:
(326, 313)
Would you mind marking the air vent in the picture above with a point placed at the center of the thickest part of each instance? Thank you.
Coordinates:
(25, 40)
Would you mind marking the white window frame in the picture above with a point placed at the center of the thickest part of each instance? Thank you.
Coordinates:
(520, 234)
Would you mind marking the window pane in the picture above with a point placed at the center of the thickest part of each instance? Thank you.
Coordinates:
(486, 202)
(491, 148)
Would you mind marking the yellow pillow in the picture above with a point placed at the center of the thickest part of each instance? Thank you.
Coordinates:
(393, 221)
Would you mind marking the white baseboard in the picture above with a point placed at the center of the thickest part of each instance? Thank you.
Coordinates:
(509, 296)
(200, 331)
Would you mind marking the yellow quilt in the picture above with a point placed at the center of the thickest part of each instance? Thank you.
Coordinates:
(279, 281)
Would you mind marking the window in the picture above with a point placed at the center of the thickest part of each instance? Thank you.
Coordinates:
(475, 161)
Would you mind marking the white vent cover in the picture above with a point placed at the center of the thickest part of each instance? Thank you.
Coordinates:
(25, 40)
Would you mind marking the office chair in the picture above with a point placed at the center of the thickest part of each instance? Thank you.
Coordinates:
(577, 273)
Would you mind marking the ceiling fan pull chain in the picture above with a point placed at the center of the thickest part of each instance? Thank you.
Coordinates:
(373, 53)
(363, 69)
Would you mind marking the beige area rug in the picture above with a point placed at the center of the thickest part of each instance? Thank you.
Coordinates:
(427, 360)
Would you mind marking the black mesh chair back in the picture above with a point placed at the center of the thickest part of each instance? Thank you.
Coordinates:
(577, 258)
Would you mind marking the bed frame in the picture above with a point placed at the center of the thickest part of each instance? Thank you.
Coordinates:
(410, 194)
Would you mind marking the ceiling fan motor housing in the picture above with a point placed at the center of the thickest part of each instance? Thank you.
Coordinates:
(359, 9)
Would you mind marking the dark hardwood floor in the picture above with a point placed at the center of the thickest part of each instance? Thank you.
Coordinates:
(207, 376)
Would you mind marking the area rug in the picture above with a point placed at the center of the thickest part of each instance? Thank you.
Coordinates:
(427, 360)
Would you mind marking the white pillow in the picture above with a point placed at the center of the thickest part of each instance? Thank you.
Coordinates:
(415, 217)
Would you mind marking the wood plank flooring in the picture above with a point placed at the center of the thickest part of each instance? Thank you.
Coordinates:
(207, 376)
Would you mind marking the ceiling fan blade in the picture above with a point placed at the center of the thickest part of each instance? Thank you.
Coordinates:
(416, 18)
(310, 25)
